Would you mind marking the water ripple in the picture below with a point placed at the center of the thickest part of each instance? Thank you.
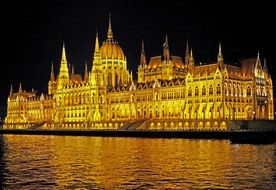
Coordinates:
(46, 162)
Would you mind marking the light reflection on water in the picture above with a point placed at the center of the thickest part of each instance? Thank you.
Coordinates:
(54, 162)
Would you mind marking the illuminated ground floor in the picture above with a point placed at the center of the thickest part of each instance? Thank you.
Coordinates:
(150, 124)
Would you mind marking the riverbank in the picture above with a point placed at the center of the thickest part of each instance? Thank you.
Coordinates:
(235, 135)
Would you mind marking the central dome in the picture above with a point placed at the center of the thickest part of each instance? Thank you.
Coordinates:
(111, 50)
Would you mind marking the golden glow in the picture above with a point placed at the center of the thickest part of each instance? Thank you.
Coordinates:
(112, 51)
(168, 95)
(124, 163)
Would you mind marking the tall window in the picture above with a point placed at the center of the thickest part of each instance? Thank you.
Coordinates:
(196, 91)
(248, 91)
(218, 89)
(211, 90)
(190, 91)
(203, 90)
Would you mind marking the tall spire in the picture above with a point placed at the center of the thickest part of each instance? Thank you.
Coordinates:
(191, 64)
(143, 56)
(109, 33)
(220, 52)
(97, 49)
(131, 76)
(52, 77)
(258, 65)
(187, 55)
(73, 70)
(258, 57)
(86, 73)
(96, 58)
(166, 50)
(63, 72)
(11, 91)
(191, 60)
(63, 56)
(20, 88)
(220, 57)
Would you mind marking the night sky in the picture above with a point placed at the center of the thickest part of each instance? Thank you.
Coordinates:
(32, 33)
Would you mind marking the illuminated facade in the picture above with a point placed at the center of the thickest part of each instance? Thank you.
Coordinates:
(169, 93)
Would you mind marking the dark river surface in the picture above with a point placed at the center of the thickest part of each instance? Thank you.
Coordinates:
(60, 162)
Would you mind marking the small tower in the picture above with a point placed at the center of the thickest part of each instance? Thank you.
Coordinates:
(191, 63)
(63, 76)
(142, 65)
(85, 73)
(187, 55)
(20, 88)
(258, 70)
(96, 73)
(52, 77)
(11, 91)
(166, 50)
(52, 85)
(143, 62)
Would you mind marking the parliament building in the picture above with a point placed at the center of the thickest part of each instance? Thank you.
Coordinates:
(171, 92)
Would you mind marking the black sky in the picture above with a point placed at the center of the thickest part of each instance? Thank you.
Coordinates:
(32, 33)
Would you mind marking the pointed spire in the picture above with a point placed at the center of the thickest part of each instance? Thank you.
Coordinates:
(63, 71)
(166, 44)
(109, 33)
(265, 67)
(187, 47)
(131, 76)
(258, 64)
(220, 52)
(20, 88)
(52, 77)
(187, 55)
(11, 91)
(143, 48)
(73, 70)
(86, 73)
(166, 50)
(220, 57)
(258, 61)
(97, 49)
(96, 58)
(143, 55)
(191, 60)
(63, 56)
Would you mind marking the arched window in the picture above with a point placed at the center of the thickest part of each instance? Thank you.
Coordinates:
(211, 91)
(196, 91)
(190, 91)
(248, 91)
(203, 90)
(218, 89)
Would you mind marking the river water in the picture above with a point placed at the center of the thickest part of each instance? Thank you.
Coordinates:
(60, 162)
